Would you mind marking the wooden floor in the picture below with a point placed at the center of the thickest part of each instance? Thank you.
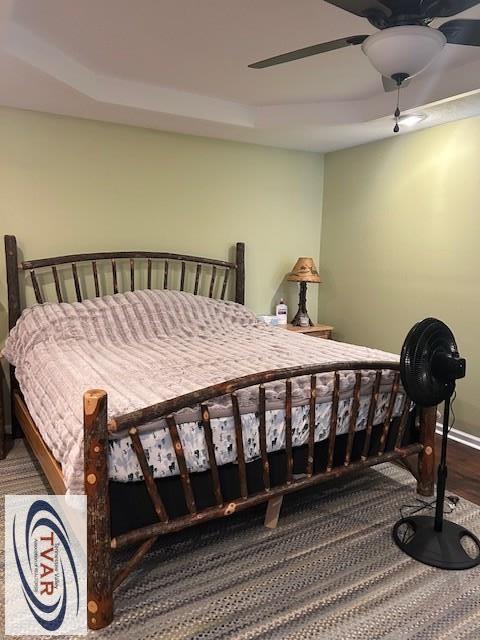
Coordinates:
(463, 470)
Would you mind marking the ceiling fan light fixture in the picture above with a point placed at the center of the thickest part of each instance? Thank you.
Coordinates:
(411, 119)
(405, 50)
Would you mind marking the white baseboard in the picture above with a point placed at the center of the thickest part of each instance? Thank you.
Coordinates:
(461, 436)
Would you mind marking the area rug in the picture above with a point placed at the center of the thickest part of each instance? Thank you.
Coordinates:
(329, 571)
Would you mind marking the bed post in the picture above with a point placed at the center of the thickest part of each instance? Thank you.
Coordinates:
(99, 559)
(2, 416)
(240, 273)
(11, 257)
(426, 458)
(13, 287)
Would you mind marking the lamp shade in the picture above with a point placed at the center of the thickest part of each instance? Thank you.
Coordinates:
(304, 271)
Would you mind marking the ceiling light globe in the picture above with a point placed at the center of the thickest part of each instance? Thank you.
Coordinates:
(411, 119)
(403, 50)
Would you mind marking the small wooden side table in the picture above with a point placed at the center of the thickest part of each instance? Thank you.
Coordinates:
(317, 331)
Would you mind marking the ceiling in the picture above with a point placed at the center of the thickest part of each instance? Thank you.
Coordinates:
(181, 65)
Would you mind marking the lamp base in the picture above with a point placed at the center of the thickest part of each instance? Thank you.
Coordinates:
(301, 317)
(441, 549)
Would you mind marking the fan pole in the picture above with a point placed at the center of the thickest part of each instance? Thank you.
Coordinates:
(442, 469)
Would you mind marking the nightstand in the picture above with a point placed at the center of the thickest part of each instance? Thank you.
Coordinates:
(317, 331)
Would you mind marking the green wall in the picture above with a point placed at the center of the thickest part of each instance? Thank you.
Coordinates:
(400, 241)
(71, 185)
(400, 229)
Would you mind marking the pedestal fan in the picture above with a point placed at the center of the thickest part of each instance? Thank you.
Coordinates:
(429, 366)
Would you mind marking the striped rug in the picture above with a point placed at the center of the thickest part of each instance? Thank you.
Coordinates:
(329, 571)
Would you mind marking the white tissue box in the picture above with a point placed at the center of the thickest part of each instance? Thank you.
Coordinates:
(271, 320)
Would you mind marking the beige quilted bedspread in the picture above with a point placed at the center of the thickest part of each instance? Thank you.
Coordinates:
(147, 346)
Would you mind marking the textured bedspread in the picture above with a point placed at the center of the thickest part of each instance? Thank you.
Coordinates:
(147, 346)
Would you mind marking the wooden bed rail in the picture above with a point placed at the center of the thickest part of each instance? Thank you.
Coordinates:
(28, 265)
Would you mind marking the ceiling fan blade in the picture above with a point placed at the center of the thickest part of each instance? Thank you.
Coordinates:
(362, 8)
(447, 8)
(462, 32)
(389, 84)
(309, 51)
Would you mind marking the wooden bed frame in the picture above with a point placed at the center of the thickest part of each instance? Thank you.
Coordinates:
(101, 582)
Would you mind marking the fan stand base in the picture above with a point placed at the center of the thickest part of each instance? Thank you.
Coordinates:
(441, 549)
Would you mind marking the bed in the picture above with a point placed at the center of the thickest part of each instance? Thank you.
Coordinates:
(192, 408)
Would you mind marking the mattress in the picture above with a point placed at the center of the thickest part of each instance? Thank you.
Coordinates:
(124, 466)
(144, 347)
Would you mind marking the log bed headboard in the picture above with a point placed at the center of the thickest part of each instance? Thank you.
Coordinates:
(143, 267)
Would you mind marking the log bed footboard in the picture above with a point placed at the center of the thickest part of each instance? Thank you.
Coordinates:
(101, 580)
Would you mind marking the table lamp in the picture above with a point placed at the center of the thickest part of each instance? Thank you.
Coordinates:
(304, 271)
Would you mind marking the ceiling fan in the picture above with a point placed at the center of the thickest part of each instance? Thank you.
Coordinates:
(405, 43)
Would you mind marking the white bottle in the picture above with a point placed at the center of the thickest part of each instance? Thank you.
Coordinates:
(282, 312)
